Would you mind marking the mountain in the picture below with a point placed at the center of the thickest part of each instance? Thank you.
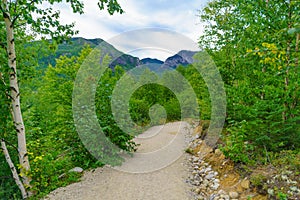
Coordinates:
(183, 57)
(75, 45)
(126, 61)
(146, 61)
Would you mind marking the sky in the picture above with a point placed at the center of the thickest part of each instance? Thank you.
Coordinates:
(165, 16)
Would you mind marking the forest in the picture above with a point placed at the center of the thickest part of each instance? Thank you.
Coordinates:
(254, 44)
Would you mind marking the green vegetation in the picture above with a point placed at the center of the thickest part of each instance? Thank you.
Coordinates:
(255, 45)
(17, 18)
(53, 143)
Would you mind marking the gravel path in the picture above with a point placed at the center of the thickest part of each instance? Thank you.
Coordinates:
(157, 171)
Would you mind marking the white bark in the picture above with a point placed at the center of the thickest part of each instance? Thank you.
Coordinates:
(13, 170)
(15, 96)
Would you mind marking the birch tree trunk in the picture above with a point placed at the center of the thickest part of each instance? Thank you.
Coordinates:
(15, 96)
(13, 170)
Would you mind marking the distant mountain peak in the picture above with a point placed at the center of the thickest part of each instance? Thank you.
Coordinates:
(151, 61)
(183, 57)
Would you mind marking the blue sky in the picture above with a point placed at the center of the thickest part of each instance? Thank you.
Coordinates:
(176, 15)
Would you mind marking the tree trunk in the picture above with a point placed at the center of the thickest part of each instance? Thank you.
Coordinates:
(288, 62)
(15, 97)
(13, 170)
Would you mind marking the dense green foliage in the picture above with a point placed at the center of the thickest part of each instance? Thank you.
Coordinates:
(17, 18)
(255, 46)
(73, 47)
(53, 143)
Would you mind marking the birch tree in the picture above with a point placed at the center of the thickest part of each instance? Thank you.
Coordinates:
(34, 15)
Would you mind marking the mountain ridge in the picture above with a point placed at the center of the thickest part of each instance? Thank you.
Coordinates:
(126, 61)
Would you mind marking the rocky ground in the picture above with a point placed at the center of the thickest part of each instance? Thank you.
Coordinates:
(214, 177)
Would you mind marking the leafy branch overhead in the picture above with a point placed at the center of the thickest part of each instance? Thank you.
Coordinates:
(41, 18)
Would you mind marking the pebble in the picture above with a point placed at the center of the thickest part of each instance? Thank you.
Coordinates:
(294, 189)
(210, 176)
(234, 195)
(270, 191)
(204, 179)
(284, 177)
(206, 182)
(215, 186)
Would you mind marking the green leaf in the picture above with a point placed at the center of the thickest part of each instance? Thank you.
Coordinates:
(293, 31)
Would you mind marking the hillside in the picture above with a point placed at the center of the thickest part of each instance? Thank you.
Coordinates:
(76, 44)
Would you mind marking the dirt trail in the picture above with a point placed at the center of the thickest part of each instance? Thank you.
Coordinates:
(157, 171)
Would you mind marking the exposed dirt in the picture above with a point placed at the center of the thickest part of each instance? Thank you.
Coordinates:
(257, 183)
(160, 170)
(163, 184)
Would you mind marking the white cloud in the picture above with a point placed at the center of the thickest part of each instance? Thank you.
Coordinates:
(177, 15)
(161, 42)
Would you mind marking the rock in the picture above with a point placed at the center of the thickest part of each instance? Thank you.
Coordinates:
(209, 176)
(284, 177)
(292, 182)
(294, 188)
(245, 184)
(233, 195)
(208, 169)
(197, 191)
(201, 198)
(205, 182)
(197, 183)
(195, 172)
(220, 192)
(76, 170)
(270, 191)
(215, 186)
(287, 172)
(196, 137)
(212, 197)
(62, 175)
(202, 187)
(216, 181)
(195, 159)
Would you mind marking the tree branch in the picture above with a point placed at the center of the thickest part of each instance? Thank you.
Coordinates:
(10, 144)
(15, 8)
(2, 10)
(18, 15)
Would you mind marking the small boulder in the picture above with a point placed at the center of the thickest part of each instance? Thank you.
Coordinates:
(76, 170)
